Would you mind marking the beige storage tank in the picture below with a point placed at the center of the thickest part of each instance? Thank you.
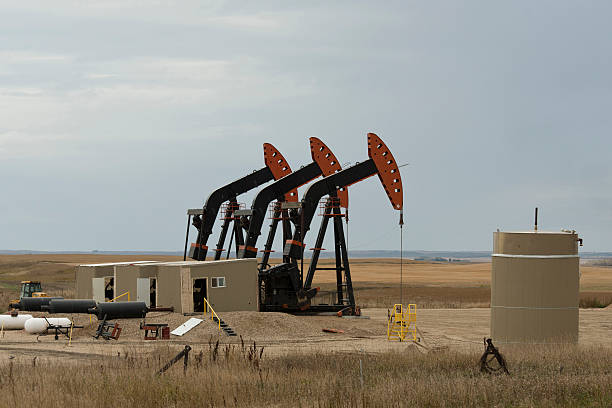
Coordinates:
(535, 287)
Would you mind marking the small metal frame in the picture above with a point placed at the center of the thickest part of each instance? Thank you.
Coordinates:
(155, 329)
(229, 209)
(330, 203)
(104, 330)
(401, 323)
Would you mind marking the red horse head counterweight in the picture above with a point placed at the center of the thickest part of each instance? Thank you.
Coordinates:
(279, 167)
(388, 172)
(329, 165)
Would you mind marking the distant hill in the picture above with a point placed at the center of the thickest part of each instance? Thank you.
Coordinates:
(373, 253)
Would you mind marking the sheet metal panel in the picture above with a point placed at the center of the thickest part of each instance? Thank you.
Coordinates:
(143, 290)
(185, 327)
(97, 285)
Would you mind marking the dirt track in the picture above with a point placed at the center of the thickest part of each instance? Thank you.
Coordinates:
(461, 329)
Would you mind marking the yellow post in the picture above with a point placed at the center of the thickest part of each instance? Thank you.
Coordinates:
(124, 294)
(70, 337)
(2, 329)
(212, 313)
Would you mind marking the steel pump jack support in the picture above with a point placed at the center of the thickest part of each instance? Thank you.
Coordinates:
(324, 163)
(204, 219)
(281, 288)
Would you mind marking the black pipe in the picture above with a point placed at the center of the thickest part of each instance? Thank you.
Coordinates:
(28, 304)
(69, 306)
(119, 310)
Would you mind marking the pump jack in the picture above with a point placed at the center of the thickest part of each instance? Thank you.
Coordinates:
(282, 287)
(204, 219)
(324, 163)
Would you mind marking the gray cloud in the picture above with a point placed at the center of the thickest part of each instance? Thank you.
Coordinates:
(116, 116)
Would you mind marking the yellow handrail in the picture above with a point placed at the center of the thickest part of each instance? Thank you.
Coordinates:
(212, 312)
(402, 322)
(126, 293)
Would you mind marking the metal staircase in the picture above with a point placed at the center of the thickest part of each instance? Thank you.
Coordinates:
(402, 323)
(220, 323)
(224, 326)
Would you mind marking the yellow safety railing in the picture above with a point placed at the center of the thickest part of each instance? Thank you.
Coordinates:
(402, 323)
(126, 293)
(213, 314)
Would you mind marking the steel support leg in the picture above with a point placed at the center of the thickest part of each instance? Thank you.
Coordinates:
(229, 212)
(270, 241)
(317, 249)
(345, 261)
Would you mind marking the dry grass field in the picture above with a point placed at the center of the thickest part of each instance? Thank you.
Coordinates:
(287, 360)
(245, 376)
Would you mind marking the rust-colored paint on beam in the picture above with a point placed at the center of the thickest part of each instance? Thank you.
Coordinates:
(329, 164)
(388, 171)
(279, 167)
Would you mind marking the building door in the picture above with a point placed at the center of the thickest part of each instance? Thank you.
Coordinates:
(147, 291)
(199, 294)
(97, 285)
(142, 290)
(152, 292)
(109, 288)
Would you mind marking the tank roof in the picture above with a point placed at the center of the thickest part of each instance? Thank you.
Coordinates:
(119, 263)
(193, 263)
(538, 232)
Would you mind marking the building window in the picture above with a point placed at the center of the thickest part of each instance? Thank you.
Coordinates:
(218, 282)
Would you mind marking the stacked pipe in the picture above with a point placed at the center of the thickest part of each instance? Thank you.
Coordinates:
(33, 304)
(69, 306)
(119, 310)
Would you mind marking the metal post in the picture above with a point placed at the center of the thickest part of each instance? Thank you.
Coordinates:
(229, 247)
(183, 354)
(401, 223)
(201, 237)
(339, 259)
(186, 237)
(287, 232)
(186, 359)
(302, 243)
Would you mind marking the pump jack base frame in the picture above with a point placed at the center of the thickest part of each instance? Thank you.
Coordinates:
(312, 309)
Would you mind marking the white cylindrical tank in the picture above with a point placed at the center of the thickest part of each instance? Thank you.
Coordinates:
(37, 325)
(9, 322)
(535, 287)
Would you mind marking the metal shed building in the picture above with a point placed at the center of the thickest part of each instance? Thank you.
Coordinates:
(229, 285)
(91, 279)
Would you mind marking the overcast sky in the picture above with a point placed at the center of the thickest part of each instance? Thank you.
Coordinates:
(117, 116)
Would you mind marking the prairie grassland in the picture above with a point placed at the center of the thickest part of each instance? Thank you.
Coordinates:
(547, 376)
(375, 294)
